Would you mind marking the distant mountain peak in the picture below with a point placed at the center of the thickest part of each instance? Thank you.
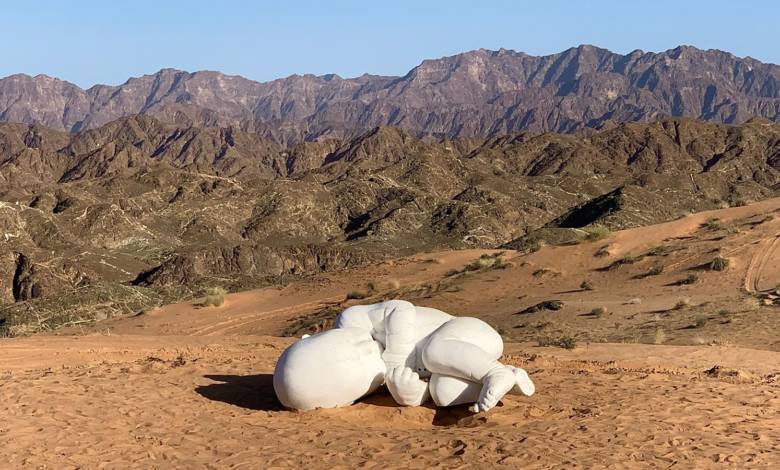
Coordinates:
(476, 93)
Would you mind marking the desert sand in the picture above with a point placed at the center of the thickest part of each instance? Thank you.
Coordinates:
(650, 383)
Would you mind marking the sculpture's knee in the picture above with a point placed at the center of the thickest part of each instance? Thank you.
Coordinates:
(450, 391)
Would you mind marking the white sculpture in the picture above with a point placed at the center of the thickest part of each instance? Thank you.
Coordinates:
(400, 345)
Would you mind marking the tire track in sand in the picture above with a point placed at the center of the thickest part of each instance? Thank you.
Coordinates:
(232, 323)
(763, 255)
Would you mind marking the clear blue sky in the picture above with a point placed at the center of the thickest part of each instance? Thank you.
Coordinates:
(88, 42)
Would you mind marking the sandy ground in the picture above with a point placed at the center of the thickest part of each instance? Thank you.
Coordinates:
(190, 387)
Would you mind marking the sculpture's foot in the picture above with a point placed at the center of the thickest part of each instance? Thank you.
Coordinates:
(497, 383)
(523, 385)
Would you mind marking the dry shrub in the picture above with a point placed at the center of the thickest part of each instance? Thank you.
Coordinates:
(565, 342)
(659, 337)
(712, 224)
(719, 264)
(542, 272)
(215, 297)
(686, 281)
(683, 304)
(598, 312)
(597, 232)
(602, 252)
(356, 295)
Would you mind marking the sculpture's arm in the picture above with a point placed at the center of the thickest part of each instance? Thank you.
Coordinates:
(406, 387)
(400, 320)
(355, 317)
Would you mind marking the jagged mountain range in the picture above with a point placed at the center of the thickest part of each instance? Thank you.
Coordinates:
(475, 94)
(145, 203)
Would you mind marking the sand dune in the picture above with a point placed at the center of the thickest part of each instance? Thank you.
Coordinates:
(190, 387)
(173, 402)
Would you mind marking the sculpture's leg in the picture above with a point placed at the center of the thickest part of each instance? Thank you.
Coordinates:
(468, 348)
(463, 347)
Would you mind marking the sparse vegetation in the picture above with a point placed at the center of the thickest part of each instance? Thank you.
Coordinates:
(660, 250)
(545, 305)
(683, 304)
(712, 224)
(602, 252)
(215, 297)
(687, 280)
(654, 271)
(356, 295)
(598, 312)
(660, 336)
(84, 305)
(541, 272)
(535, 246)
(700, 321)
(320, 320)
(621, 262)
(565, 342)
(371, 289)
(597, 232)
(719, 264)
(586, 285)
(485, 262)
(763, 220)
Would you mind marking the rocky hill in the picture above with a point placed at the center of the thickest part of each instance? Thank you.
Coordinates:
(138, 205)
(475, 94)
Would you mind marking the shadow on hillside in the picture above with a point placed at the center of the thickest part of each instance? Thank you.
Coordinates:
(255, 392)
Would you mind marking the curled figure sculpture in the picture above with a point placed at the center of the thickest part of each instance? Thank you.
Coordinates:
(419, 353)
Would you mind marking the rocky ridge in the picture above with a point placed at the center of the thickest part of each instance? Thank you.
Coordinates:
(480, 93)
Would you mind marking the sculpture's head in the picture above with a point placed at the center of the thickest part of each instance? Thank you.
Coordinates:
(329, 369)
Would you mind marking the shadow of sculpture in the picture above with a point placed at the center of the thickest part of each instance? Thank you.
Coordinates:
(254, 392)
